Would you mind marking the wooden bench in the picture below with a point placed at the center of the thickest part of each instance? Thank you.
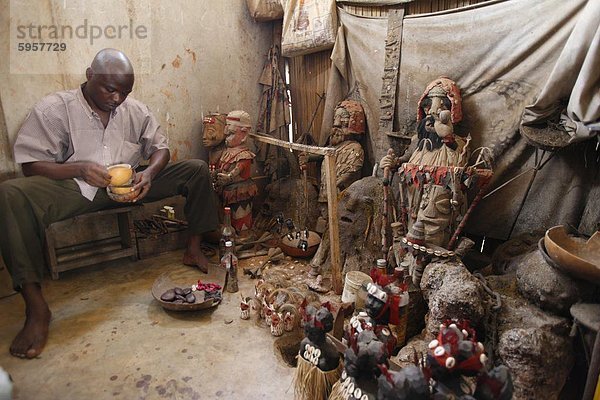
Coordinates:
(61, 257)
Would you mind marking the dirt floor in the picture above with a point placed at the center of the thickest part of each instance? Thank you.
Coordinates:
(110, 339)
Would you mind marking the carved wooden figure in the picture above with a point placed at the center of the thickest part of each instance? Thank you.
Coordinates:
(232, 177)
(213, 136)
(434, 195)
(348, 127)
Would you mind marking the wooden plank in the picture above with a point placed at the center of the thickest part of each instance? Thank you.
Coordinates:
(294, 146)
(89, 252)
(334, 228)
(391, 69)
(95, 259)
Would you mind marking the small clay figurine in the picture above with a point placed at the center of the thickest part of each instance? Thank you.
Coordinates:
(245, 307)
(232, 177)
(319, 364)
(276, 324)
(348, 127)
(213, 136)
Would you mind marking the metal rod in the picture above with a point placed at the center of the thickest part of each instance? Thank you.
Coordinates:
(538, 167)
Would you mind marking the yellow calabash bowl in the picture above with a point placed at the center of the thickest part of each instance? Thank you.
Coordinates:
(122, 194)
(120, 174)
(121, 189)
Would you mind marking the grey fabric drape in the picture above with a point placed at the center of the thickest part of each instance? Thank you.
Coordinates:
(576, 77)
(501, 54)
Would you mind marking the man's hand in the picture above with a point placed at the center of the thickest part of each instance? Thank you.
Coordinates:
(142, 181)
(95, 174)
(223, 179)
(303, 160)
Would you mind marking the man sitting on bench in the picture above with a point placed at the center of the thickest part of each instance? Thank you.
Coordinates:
(65, 145)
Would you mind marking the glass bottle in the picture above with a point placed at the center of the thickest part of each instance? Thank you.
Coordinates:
(229, 261)
(227, 232)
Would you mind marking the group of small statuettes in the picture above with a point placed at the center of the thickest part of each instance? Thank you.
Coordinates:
(366, 373)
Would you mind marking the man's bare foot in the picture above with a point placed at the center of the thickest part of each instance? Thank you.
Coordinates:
(196, 260)
(194, 256)
(30, 341)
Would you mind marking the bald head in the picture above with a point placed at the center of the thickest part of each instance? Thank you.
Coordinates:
(109, 80)
(111, 61)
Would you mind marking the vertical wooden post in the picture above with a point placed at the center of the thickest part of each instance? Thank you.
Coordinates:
(334, 228)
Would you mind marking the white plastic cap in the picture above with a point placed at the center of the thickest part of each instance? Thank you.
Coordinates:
(228, 243)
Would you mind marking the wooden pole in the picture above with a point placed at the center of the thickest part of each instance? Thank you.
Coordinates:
(332, 199)
(334, 228)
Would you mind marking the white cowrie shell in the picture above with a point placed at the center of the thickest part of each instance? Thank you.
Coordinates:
(351, 388)
(450, 362)
(439, 351)
(483, 358)
(433, 344)
(317, 353)
(357, 393)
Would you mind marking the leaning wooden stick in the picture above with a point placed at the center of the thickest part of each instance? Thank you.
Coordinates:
(462, 224)
(385, 245)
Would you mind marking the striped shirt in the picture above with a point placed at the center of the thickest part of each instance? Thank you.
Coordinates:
(63, 128)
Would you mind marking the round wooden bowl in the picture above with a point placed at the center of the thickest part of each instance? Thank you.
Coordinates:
(120, 174)
(122, 194)
(290, 247)
(164, 283)
(574, 255)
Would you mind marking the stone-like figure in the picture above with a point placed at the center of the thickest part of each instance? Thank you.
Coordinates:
(434, 150)
(360, 226)
(213, 136)
(348, 126)
(232, 179)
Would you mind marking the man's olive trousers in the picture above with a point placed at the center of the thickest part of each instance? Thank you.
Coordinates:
(28, 205)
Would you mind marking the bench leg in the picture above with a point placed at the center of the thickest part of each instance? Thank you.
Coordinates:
(127, 233)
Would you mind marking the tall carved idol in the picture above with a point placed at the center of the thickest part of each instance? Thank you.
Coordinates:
(434, 178)
(435, 205)
(232, 177)
(348, 127)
